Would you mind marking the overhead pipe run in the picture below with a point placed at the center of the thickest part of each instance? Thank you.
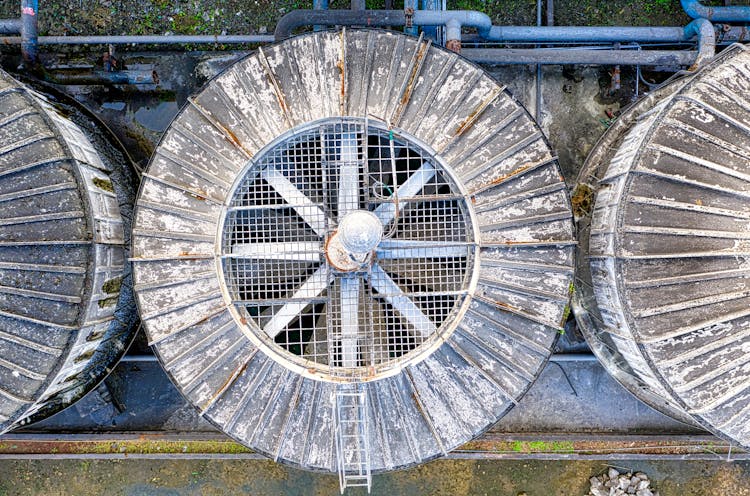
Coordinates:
(454, 21)
(701, 28)
(697, 10)
(145, 39)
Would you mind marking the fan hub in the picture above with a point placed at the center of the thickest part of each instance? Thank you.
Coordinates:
(350, 247)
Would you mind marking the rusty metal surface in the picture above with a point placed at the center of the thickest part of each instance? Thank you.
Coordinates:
(663, 297)
(525, 247)
(61, 257)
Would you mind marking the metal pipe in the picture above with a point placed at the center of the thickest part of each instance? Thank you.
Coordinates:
(586, 34)
(147, 39)
(456, 19)
(431, 31)
(704, 30)
(453, 20)
(573, 357)
(556, 56)
(319, 5)
(697, 10)
(10, 26)
(299, 18)
(538, 81)
(104, 78)
(29, 31)
(550, 13)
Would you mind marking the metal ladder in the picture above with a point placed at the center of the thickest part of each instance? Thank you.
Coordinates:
(352, 449)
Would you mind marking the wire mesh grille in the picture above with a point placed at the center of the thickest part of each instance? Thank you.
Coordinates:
(286, 209)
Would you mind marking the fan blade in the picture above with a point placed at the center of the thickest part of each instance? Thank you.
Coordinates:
(296, 251)
(390, 291)
(305, 208)
(314, 286)
(399, 249)
(386, 212)
(348, 170)
(349, 321)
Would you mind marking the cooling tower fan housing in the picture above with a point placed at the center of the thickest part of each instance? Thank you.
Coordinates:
(663, 295)
(353, 251)
(66, 313)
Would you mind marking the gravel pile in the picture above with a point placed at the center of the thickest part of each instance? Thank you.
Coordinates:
(613, 483)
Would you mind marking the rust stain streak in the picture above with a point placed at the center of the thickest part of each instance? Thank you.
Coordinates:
(275, 84)
(226, 132)
(230, 380)
(472, 118)
(341, 64)
(407, 88)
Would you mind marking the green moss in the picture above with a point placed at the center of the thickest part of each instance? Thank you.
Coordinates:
(186, 23)
(582, 200)
(108, 302)
(543, 447)
(104, 184)
(566, 314)
(85, 356)
(112, 286)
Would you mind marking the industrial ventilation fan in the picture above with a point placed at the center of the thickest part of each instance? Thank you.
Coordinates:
(664, 233)
(353, 251)
(64, 320)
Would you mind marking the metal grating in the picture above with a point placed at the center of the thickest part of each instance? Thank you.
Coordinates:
(284, 212)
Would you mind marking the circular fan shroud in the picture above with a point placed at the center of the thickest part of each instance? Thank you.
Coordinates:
(61, 254)
(518, 213)
(277, 250)
(664, 293)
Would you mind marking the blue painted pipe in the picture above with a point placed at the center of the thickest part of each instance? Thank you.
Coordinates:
(704, 31)
(697, 10)
(319, 5)
(29, 33)
(432, 6)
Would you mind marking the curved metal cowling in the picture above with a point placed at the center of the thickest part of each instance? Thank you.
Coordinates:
(424, 407)
(61, 257)
(664, 293)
